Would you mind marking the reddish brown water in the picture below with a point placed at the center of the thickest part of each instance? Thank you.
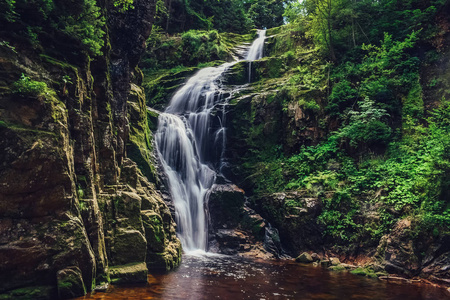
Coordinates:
(225, 277)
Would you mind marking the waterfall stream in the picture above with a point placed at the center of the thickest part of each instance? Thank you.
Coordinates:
(256, 51)
(190, 140)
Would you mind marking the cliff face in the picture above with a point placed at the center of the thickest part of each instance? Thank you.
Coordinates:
(75, 210)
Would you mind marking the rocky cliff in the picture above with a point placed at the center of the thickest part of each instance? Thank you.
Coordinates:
(79, 204)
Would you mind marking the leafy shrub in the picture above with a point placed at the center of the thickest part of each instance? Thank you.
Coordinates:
(28, 87)
(365, 127)
(86, 24)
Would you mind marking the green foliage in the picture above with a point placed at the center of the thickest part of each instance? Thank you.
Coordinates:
(339, 26)
(28, 87)
(124, 5)
(266, 13)
(86, 25)
(366, 126)
(386, 74)
(80, 21)
(8, 10)
(223, 15)
(7, 45)
(180, 52)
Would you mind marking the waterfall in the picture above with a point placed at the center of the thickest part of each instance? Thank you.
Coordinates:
(256, 51)
(190, 140)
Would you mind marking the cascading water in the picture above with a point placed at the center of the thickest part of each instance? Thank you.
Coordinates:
(190, 141)
(256, 51)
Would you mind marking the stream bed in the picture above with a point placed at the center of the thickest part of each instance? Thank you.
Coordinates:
(202, 277)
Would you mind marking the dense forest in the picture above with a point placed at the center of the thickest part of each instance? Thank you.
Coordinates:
(339, 136)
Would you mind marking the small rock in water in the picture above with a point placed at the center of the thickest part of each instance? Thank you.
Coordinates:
(305, 257)
(325, 263)
(102, 288)
(315, 257)
(334, 261)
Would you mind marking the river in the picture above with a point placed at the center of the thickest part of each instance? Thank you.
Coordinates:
(205, 277)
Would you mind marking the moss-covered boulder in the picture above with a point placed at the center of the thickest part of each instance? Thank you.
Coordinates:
(238, 74)
(129, 273)
(167, 260)
(31, 292)
(305, 257)
(154, 231)
(128, 246)
(70, 283)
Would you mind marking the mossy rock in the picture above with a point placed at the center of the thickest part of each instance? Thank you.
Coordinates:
(305, 257)
(129, 205)
(129, 273)
(334, 261)
(237, 74)
(30, 293)
(337, 268)
(364, 272)
(70, 283)
(154, 231)
(162, 261)
(129, 246)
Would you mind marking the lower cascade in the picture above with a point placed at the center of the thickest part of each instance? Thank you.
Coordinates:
(189, 148)
(190, 140)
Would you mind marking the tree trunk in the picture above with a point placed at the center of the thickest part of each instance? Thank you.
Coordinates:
(168, 15)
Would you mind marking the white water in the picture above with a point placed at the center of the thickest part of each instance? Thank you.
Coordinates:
(256, 51)
(190, 140)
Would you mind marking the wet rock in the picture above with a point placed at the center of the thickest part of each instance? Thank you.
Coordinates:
(305, 257)
(129, 246)
(70, 283)
(297, 225)
(31, 292)
(237, 74)
(230, 240)
(102, 288)
(334, 261)
(272, 241)
(348, 266)
(325, 263)
(167, 260)
(398, 252)
(436, 263)
(315, 257)
(130, 273)
(225, 206)
(154, 231)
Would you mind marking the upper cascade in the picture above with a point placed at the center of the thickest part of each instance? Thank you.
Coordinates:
(256, 50)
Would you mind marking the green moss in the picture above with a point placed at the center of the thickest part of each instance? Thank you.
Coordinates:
(337, 268)
(129, 273)
(364, 272)
(60, 64)
(30, 293)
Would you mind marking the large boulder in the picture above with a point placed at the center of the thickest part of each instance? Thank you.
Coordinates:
(129, 273)
(70, 283)
(225, 205)
(398, 250)
(305, 258)
(294, 215)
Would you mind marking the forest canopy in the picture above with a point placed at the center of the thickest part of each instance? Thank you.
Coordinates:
(237, 16)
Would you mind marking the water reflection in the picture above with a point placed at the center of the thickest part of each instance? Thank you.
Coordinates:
(223, 277)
